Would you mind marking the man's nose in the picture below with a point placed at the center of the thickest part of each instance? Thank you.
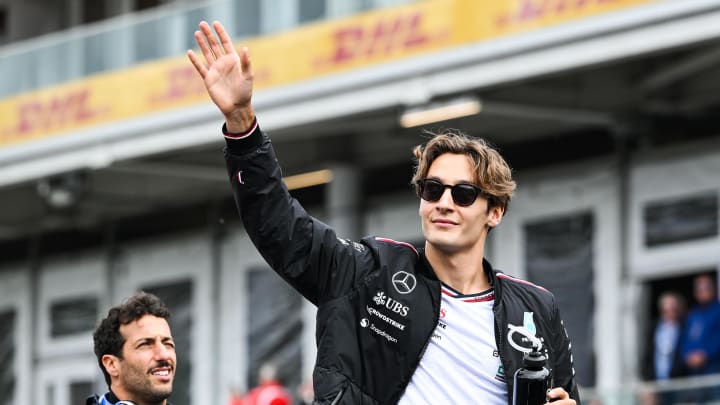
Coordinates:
(446, 199)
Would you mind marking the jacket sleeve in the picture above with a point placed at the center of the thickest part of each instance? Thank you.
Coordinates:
(301, 249)
(713, 343)
(563, 369)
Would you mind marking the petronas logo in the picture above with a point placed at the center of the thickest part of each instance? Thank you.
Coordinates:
(529, 323)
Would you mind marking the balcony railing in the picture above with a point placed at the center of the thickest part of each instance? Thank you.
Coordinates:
(696, 390)
(167, 31)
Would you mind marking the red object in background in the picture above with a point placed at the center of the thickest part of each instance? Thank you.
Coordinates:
(268, 393)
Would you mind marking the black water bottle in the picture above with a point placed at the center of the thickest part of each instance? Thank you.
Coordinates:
(532, 381)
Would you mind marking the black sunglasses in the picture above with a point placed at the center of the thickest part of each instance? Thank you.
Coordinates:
(463, 194)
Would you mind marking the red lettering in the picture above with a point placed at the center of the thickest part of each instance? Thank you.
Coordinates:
(181, 82)
(415, 36)
(346, 42)
(530, 10)
(28, 114)
(58, 112)
(382, 38)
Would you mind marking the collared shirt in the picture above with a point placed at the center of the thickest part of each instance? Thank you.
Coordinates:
(666, 339)
(461, 364)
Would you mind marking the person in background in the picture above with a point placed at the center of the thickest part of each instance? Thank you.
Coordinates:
(305, 393)
(235, 397)
(136, 353)
(666, 360)
(700, 347)
(269, 390)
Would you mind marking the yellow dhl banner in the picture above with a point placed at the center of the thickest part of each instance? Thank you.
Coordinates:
(305, 53)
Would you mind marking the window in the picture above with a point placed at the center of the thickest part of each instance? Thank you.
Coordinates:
(145, 4)
(3, 23)
(559, 257)
(72, 316)
(93, 10)
(178, 297)
(678, 220)
(247, 18)
(7, 357)
(274, 327)
(312, 10)
(80, 391)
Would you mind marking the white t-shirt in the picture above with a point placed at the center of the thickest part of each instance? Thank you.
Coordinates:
(461, 364)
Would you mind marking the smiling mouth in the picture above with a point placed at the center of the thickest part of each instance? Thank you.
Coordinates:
(161, 372)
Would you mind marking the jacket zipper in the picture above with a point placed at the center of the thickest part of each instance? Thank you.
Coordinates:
(338, 396)
(499, 338)
(425, 346)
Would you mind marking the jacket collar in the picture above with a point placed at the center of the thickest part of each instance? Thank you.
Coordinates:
(113, 399)
(110, 396)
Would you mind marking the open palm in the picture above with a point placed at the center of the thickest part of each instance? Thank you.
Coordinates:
(227, 76)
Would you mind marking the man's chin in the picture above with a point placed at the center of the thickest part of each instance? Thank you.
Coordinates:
(445, 245)
(160, 394)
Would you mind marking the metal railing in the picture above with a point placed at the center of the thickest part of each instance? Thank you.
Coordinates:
(696, 390)
(134, 38)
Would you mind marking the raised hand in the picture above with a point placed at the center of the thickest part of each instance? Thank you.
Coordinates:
(228, 77)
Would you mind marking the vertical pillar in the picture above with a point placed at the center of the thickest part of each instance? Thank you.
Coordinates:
(74, 13)
(216, 237)
(118, 7)
(624, 367)
(34, 263)
(342, 205)
(342, 201)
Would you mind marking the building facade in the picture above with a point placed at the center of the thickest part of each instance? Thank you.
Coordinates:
(112, 177)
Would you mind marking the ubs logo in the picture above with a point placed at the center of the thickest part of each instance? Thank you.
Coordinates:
(381, 299)
(404, 282)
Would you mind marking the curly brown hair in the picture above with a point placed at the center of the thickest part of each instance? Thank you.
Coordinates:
(107, 338)
(491, 172)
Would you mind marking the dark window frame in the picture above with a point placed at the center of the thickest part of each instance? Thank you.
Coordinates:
(58, 312)
(682, 215)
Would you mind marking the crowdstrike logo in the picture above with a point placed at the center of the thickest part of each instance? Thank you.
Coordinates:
(404, 282)
(375, 312)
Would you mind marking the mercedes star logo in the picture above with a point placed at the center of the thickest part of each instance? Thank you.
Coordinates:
(404, 282)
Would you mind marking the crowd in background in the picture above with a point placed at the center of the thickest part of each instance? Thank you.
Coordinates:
(685, 343)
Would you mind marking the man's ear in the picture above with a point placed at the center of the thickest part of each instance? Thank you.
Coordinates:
(111, 364)
(495, 216)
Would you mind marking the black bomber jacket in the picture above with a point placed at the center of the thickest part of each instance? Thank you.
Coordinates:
(378, 300)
